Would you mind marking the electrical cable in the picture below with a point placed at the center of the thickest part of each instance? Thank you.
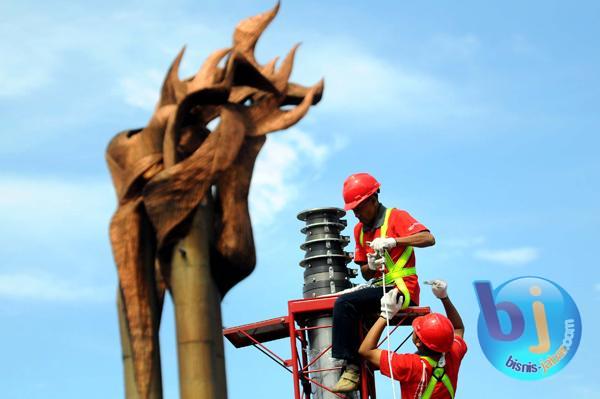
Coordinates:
(403, 342)
(272, 358)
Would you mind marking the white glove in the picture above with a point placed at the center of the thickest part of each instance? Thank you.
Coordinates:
(391, 303)
(379, 244)
(374, 262)
(439, 288)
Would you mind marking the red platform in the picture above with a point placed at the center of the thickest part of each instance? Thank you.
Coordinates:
(292, 325)
(262, 331)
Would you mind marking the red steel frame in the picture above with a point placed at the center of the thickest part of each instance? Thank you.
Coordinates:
(291, 326)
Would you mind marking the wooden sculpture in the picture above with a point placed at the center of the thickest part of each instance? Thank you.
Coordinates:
(182, 222)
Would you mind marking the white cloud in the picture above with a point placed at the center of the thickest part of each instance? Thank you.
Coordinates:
(455, 46)
(56, 239)
(51, 208)
(513, 256)
(463, 243)
(23, 71)
(117, 43)
(458, 247)
(275, 181)
(40, 286)
(30, 78)
(142, 89)
(522, 45)
(358, 81)
(56, 209)
(464, 246)
(582, 391)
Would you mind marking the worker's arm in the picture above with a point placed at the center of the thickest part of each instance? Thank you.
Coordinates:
(391, 303)
(454, 316)
(366, 272)
(421, 239)
(368, 348)
(440, 290)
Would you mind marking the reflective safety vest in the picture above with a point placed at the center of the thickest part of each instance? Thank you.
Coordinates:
(438, 375)
(396, 270)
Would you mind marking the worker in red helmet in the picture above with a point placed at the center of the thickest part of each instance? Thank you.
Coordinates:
(384, 238)
(432, 372)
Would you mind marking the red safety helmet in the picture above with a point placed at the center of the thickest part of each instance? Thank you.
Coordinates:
(435, 331)
(357, 188)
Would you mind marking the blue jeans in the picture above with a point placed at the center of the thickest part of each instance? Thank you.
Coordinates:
(348, 310)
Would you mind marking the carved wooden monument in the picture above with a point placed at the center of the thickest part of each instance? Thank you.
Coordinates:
(182, 222)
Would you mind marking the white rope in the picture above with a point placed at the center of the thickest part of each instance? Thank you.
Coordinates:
(421, 386)
(387, 330)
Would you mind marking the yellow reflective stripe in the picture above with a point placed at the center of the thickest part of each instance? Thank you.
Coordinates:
(384, 226)
(397, 269)
(448, 385)
(408, 271)
(433, 381)
(401, 285)
(397, 272)
(402, 260)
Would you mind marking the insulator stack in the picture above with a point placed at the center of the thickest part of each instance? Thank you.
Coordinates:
(325, 259)
(325, 273)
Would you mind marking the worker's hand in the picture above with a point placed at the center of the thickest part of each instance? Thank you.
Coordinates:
(391, 303)
(439, 288)
(375, 262)
(379, 244)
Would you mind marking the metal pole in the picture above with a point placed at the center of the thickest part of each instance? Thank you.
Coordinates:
(294, 351)
(197, 305)
(127, 353)
(325, 273)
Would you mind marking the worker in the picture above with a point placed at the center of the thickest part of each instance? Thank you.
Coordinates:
(391, 233)
(432, 372)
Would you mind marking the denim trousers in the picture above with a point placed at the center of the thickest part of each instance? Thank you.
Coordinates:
(348, 310)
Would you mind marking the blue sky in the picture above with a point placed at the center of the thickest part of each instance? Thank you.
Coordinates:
(480, 119)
